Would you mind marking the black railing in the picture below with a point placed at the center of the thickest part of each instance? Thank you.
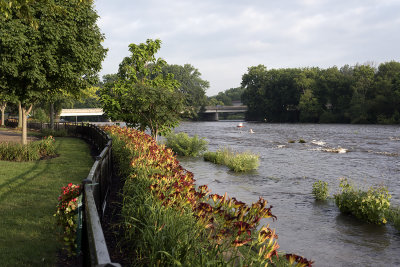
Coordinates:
(96, 188)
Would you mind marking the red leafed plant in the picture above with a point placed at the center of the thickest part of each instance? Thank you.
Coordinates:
(230, 223)
(66, 215)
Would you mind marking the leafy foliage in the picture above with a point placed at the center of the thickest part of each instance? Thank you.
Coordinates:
(226, 97)
(161, 202)
(371, 205)
(192, 87)
(320, 190)
(184, 145)
(238, 162)
(56, 133)
(30, 152)
(64, 53)
(143, 96)
(393, 216)
(358, 94)
(66, 215)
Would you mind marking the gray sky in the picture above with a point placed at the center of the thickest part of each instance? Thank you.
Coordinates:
(222, 38)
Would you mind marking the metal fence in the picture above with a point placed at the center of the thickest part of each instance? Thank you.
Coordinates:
(96, 188)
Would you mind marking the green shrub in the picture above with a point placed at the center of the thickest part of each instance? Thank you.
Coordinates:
(371, 206)
(30, 152)
(320, 190)
(40, 115)
(302, 141)
(184, 145)
(56, 133)
(238, 162)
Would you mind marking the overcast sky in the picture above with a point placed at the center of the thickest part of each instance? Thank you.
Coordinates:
(222, 38)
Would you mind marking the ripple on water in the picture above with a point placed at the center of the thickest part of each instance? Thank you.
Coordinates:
(285, 177)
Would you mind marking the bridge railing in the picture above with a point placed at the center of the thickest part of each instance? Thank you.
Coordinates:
(96, 188)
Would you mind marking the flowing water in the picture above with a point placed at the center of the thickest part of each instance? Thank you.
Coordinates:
(369, 155)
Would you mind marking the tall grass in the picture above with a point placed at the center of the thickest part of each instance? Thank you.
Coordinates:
(184, 145)
(238, 162)
(30, 152)
(155, 234)
(168, 221)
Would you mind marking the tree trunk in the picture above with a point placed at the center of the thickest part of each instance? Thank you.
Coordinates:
(25, 113)
(3, 108)
(52, 115)
(19, 115)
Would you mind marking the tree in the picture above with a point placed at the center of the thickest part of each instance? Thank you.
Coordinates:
(24, 9)
(192, 87)
(227, 96)
(384, 105)
(309, 107)
(253, 83)
(3, 104)
(363, 81)
(63, 53)
(143, 96)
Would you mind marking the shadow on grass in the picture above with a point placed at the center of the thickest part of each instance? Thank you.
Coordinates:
(21, 178)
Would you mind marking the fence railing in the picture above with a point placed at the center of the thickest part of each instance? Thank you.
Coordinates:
(96, 188)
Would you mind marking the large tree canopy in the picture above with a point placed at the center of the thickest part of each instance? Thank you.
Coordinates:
(143, 96)
(64, 52)
(358, 94)
(192, 86)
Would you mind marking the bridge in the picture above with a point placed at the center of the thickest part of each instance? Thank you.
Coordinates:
(209, 113)
(78, 112)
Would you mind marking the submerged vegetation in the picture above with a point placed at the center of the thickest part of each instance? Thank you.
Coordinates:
(393, 217)
(183, 145)
(235, 161)
(371, 206)
(167, 220)
(320, 190)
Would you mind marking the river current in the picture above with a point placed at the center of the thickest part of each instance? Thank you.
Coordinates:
(369, 155)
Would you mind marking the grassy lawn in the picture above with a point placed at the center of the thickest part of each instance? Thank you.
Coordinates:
(28, 196)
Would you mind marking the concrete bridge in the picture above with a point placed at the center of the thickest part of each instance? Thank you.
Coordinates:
(211, 112)
(78, 112)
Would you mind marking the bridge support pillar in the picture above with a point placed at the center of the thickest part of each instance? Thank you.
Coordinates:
(211, 116)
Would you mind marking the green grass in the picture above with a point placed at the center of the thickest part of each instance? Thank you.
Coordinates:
(28, 199)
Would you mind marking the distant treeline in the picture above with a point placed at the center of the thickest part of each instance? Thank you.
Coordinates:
(357, 94)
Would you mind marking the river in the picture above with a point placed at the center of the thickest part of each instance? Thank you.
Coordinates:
(315, 230)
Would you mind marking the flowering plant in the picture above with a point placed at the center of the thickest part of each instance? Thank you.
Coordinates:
(66, 215)
(232, 225)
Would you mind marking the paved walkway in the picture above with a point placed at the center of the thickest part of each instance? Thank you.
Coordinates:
(13, 136)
